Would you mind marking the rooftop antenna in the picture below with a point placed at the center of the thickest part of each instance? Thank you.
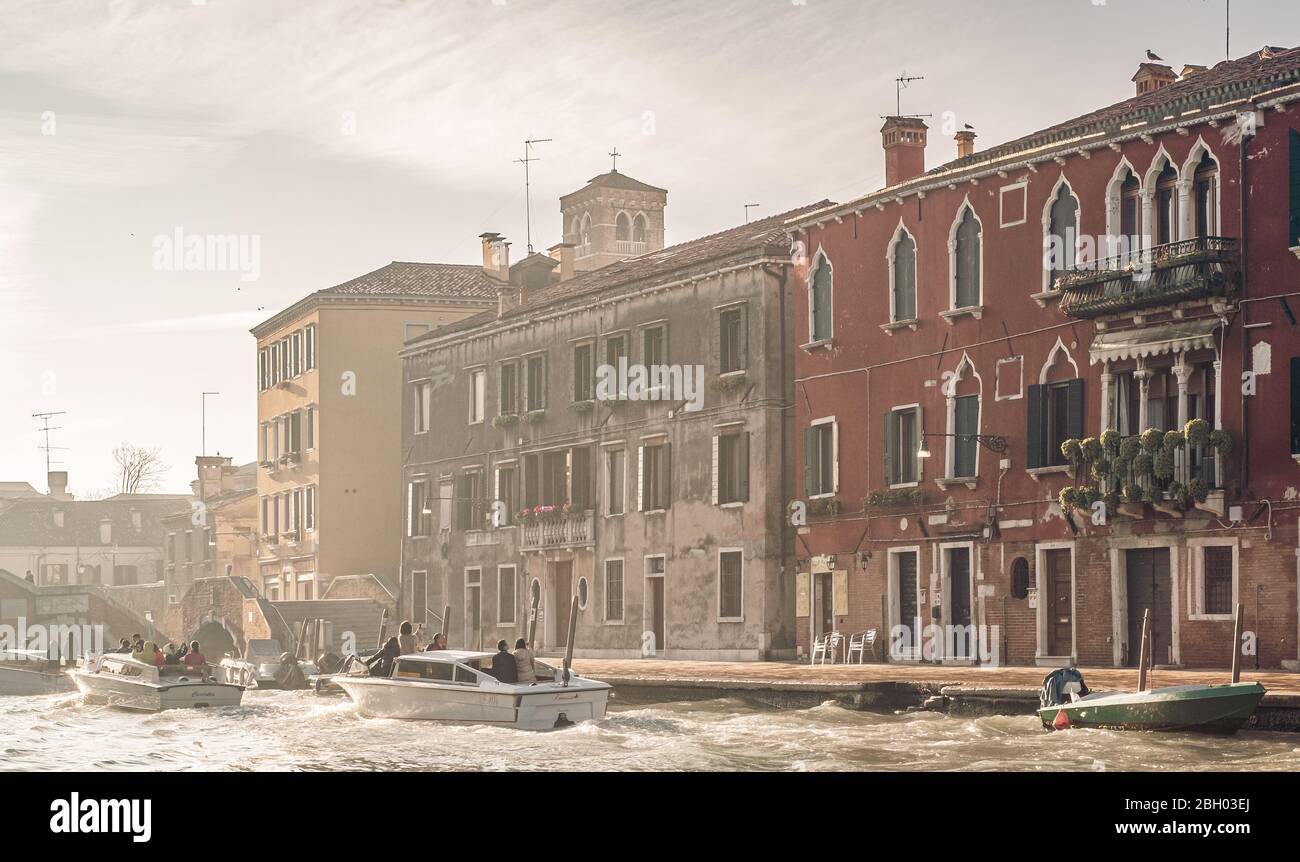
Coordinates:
(615, 156)
(900, 84)
(528, 201)
(748, 207)
(1227, 30)
(45, 429)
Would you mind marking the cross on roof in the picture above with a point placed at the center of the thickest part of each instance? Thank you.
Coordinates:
(615, 156)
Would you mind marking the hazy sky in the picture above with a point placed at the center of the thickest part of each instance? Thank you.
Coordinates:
(343, 134)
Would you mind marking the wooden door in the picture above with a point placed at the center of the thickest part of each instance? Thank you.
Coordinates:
(1060, 602)
(907, 607)
(1149, 588)
(563, 574)
(655, 596)
(959, 596)
(825, 610)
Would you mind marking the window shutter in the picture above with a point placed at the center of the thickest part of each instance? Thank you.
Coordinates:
(835, 456)
(1295, 404)
(840, 587)
(1034, 427)
(715, 339)
(1294, 140)
(1074, 408)
(410, 508)
(742, 344)
(715, 469)
(809, 460)
(640, 479)
(887, 447)
(743, 464)
(665, 472)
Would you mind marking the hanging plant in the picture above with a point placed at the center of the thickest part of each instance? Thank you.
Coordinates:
(1111, 499)
(1199, 490)
(1173, 441)
(1102, 469)
(1163, 465)
(505, 420)
(1092, 449)
(1143, 465)
(535, 417)
(1221, 441)
(1072, 451)
(1152, 439)
(1134, 493)
(1130, 448)
(1067, 498)
(1110, 441)
(1197, 432)
(1177, 493)
(582, 406)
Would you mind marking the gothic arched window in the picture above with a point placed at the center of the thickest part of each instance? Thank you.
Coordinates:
(966, 288)
(819, 300)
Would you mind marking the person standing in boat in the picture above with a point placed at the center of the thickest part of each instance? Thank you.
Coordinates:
(504, 667)
(439, 642)
(525, 669)
(406, 638)
(194, 659)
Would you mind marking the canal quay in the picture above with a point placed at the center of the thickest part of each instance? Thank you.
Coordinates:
(893, 687)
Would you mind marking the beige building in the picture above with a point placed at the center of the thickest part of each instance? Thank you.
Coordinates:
(329, 405)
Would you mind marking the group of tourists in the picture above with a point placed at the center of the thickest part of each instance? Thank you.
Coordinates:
(517, 668)
(186, 655)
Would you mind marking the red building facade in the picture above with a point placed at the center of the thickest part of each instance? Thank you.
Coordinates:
(939, 318)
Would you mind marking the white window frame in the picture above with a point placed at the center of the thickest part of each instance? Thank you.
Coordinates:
(975, 310)
(920, 435)
(309, 347)
(1023, 188)
(514, 608)
(916, 277)
(1047, 226)
(477, 395)
(608, 452)
(820, 256)
(718, 585)
(604, 592)
(950, 450)
(894, 598)
(1196, 583)
(835, 456)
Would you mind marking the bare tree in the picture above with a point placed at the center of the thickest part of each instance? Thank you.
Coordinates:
(138, 469)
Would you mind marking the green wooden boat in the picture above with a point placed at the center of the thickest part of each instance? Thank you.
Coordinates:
(1202, 708)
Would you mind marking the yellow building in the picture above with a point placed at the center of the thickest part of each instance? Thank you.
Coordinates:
(329, 408)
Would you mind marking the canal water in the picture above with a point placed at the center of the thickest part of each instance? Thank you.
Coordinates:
(276, 730)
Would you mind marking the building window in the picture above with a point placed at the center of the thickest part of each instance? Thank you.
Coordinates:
(1062, 237)
(733, 341)
(966, 424)
(1166, 205)
(263, 377)
(1130, 214)
(506, 494)
(446, 491)
(820, 297)
(731, 467)
(506, 595)
(821, 458)
(536, 383)
(966, 260)
(293, 431)
(477, 382)
(1205, 196)
(309, 507)
(1217, 583)
(309, 341)
(419, 510)
(615, 466)
(654, 477)
(730, 584)
(613, 591)
(295, 352)
(509, 388)
(1055, 414)
(1019, 578)
(311, 428)
(584, 373)
(469, 505)
(654, 346)
(422, 404)
(902, 276)
(584, 592)
(1295, 405)
(902, 442)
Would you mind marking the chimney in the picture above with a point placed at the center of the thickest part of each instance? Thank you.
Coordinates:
(496, 255)
(565, 254)
(1153, 76)
(904, 141)
(965, 143)
(212, 473)
(58, 482)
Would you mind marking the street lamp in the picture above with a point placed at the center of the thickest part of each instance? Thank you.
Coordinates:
(992, 442)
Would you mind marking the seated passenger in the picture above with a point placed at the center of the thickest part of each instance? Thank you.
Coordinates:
(194, 659)
(170, 656)
(525, 670)
(406, 638)
(503, 665)
(381, 663)
(123, 647)
(439, 642)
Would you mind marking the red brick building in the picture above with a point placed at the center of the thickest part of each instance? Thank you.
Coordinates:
(934, 324)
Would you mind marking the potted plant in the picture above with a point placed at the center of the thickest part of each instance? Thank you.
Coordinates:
(1197, 432)
(505, 420)
(534, 417)
(1134, 501)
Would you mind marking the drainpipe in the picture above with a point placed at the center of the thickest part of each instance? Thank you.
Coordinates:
(1243, 464)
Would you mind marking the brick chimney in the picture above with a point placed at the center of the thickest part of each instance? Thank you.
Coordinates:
(213, 470)
(965, 143)
(496, 255)
(565, 254)
(904, 141)
(1153, 76)
(58, 482)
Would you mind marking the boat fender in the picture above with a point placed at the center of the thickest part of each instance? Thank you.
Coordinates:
(1062, 721)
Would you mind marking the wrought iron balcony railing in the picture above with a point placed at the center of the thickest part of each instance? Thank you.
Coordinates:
(1190, 269)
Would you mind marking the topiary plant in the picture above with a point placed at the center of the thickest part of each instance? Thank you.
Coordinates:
(1163, 464)
(1072, 451)
(1173, 441)
(1111, 499)
(1102, 469)
(1199, 490)
(1092, 450)
(1129, 448)
(1134, 493)
(1177, 493)
(1197, 432)
(1221, 441)
(1110, 441)
(1143, 464)
(1067, 498)
(1152, 439)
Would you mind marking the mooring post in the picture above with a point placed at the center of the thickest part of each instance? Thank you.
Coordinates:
(1142, 651)
(532, 623)
(1236, 646)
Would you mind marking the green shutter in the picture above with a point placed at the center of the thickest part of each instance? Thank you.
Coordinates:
(742, 349)
(1034, 427)
(809, 461)
(743, 465)
(1074, 409)
(1295, 405)
(1293, 235)
(887, 447)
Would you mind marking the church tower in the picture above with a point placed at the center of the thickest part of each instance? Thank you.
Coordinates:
(611, 218)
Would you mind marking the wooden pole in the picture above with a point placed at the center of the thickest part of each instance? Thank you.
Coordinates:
(568, 648)
(532, 623)
(446, 623)
(1142, 651)
(1236, 646)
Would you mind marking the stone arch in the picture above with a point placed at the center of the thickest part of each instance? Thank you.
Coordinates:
(1052, 356)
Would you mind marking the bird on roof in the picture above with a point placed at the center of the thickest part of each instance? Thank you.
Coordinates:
(1152, 56)
(968, 126)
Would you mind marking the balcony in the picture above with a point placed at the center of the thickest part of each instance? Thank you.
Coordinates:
(629, 247)
(558, 531)
(1191, 269)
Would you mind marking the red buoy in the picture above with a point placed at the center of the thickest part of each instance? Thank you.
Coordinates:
(1062, 721)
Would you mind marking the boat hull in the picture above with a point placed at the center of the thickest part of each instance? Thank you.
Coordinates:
(143, 697)
(1200, 708)
(539, 707)
(29, 681)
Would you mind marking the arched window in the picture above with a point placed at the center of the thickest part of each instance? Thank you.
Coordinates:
(1205, 196)
(1130, 214)
(584, 233)
(1019, 578)
(1166, 205)
(638, 228)
(903, 276)
(819, 300)
(623, 228)
(575, 229)
(966, 257)
(1062, 233)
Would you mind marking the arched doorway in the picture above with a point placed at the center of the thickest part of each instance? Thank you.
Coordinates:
(215, 640)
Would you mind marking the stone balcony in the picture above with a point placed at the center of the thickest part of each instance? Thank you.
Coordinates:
(1188, 270)
(575, 530)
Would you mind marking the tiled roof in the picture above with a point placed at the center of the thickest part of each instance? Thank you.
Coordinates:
(616, 180)
(30, 523)
(9, 490)
(400, 278)
(676, 261)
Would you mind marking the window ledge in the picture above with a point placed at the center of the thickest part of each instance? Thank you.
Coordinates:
(952, 314)
(821, 344)
(1046, 296)
(738, 504)
(1215, 618)
(825, 496)
(730, 619)
(1037, 473)
(946, 481)
(905, 485)
(891, 328)
(653, 511)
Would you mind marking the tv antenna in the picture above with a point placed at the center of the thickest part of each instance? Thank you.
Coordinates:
(528, 201)
(45, 429)
(748, 207)
(900, 84)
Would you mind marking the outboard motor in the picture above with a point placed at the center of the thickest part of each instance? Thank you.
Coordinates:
(1060, 687)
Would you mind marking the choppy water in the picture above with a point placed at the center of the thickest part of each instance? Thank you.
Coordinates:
(276, 730)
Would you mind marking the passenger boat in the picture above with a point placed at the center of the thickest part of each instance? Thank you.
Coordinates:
(121, 681)
(1220, 708)
(452, 686)
(30, 672)
(262, 667)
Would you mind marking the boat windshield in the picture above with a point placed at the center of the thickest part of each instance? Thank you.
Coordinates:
(436, 671)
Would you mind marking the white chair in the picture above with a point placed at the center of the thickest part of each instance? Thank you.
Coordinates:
(819, 649)
(833, 643)
(861, 644)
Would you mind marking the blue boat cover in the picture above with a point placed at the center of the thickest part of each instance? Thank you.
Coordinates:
(1053, 693)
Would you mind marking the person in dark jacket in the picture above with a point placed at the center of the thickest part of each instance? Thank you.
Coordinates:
(381, 663)
(503, 664)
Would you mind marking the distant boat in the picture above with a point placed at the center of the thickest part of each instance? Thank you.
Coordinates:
(121, 681)
(262, 667)
(26, 672)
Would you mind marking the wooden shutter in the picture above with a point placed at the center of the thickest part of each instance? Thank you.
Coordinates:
(715, 469)
(1294, 153)
(742, 464)
(1074, 409)
(665, 472)
(887, 446)
(840, 588)
(835, 457)
(742, 342)
(1295, 404)
(640, 479)
(809, 459)
(715, 339)
(802, 594)
(1034, 427)
(914, 445)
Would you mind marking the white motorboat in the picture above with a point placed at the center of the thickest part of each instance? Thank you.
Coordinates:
(453, 686)
(29, 672)
(262, 667)
(119, 680)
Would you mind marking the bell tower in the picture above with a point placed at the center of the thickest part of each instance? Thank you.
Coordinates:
(611, 218)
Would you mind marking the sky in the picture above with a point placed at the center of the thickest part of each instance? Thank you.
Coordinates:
(334, 136)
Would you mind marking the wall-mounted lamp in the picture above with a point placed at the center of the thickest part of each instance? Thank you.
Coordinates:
(992, 442)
